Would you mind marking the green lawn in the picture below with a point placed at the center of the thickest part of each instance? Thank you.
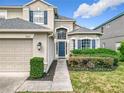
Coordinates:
(98, 82)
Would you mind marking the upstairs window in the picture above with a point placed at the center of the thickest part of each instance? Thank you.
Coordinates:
(61, 33)
(38, 17)
(3, 14)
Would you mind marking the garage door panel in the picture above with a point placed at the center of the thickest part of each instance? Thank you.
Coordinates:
(15, 55)
(14, 67)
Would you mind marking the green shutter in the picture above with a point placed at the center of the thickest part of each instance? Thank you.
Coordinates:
(31, 16)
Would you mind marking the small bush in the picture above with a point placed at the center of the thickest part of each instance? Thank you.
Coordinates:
(36, 67)
(92, 62)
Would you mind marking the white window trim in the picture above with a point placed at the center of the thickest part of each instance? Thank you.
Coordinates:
(38, 16)
(66, 33)
(97, 39)
(59, 40)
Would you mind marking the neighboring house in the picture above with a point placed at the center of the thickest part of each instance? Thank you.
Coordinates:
(37, 30)
(113, 32)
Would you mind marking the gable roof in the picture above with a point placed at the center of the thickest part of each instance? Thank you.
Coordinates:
(20, 24)
(63, 18)
(40, 1)
(21, 6)
(114, 18)
(82, 30)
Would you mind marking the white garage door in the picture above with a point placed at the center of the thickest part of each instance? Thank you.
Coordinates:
(15, 55)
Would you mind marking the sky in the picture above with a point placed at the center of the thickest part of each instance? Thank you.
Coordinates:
(87, 13)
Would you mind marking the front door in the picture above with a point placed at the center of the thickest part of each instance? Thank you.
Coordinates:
(61, 49)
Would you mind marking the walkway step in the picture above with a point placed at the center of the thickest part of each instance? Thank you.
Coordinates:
(60, 83)
(35, 86)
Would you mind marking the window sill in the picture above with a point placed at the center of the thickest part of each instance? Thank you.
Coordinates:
(39, 23)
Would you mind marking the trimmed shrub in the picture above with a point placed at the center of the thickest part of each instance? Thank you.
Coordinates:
(94, 51)
(36, 67)
(100, 52)
(92, 62)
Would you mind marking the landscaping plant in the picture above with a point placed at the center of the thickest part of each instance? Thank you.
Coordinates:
(101, 52)
(36, 67)
(93, 58)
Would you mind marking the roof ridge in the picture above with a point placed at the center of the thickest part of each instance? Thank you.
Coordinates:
(41, 1)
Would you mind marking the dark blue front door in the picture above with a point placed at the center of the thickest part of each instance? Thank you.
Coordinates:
(61, 49)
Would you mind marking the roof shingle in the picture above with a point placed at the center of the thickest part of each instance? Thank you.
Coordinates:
(82, 30)
(17, 23)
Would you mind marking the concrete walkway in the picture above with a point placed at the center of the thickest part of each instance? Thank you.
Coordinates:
(60, 83)
(61, 80)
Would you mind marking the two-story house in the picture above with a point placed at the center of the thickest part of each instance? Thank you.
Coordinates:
(113, 32)
(37, 30)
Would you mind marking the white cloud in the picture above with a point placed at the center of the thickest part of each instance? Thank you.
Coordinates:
(88, 11)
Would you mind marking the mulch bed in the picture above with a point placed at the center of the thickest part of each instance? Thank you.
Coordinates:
(50, 75)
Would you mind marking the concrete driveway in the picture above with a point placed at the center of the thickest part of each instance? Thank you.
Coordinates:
(10, 82)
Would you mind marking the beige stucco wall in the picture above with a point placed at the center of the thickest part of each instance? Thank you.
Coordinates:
(66, 24)
(47, 50)
(13, 12)
(43, 52)
(42, 7)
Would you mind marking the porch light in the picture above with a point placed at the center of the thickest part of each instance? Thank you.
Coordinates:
(39, 46)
